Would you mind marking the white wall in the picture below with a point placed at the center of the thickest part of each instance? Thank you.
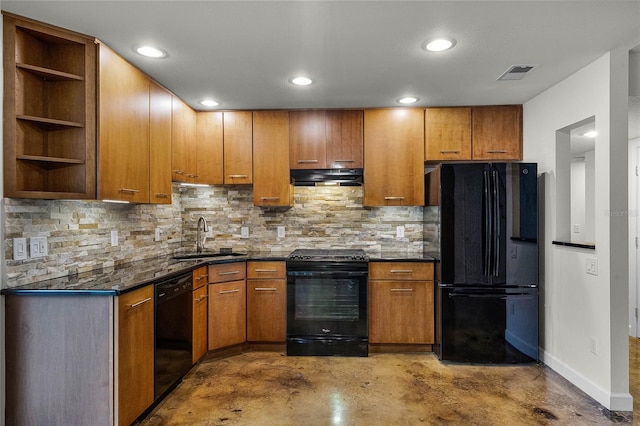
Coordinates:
(577, 308)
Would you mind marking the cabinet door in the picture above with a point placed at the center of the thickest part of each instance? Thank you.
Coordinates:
(447, 134)
(394, 157)
(209, 149)
(135, 353)
(266, 310)
(124, 130)
(308, 140)
(199, 338)
(183, 142)
(344, 139)
(238, 147)
(401, 312)
(271, 181)
(497, 132)
(159, 145)
(227, 314)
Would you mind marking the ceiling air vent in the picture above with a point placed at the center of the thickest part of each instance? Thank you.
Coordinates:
(516, 72)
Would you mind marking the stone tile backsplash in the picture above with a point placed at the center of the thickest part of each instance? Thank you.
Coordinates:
(79, 232)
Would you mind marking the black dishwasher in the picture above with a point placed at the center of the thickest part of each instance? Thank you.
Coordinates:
(173, 333)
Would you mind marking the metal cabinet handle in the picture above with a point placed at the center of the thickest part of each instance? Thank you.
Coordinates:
(497, 151)
(344, 161)
(235, 290)
(269, 198)
(401, 271)
(142, 302)
(402, 290)
(265, 270)
(192, 176)
(307, 161)
(237, 176)
(178, 172)
(229, 273)
(202, 277)
(266, 289)
(200, 299)
(394, 198)
(162, 195)
(129, 190)
(450, 152)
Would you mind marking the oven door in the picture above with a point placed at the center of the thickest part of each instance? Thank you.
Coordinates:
(327, 300)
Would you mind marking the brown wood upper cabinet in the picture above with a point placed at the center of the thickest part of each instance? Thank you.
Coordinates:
(331, 139)
(159, 145)
(271, 182)
(209, 147)
(49, 111)
(124, 130)
(497, 132)
(473, 133)
(394, 160)
(447, 134)
(183, 142)
(238, 147)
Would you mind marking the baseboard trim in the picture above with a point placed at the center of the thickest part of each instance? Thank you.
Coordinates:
(617, 401)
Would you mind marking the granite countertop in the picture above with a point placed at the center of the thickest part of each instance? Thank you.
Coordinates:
(126, 276)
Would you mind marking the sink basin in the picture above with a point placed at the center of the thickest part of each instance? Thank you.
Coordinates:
(205, 255)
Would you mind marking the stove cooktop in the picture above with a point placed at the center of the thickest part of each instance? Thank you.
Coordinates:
(342, 255)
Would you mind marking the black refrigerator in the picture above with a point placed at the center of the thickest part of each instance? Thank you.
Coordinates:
(487, 292)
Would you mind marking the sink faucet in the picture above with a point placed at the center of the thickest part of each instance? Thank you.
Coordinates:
(200, 238)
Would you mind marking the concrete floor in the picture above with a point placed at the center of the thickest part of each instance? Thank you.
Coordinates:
(269, 388)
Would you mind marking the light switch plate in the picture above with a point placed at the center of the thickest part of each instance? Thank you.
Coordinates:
(399, 231)
(114, 238)
(19, 249)
(158, 236)
(244, 232)
(592, 266)
(38, 247)
(281, 232)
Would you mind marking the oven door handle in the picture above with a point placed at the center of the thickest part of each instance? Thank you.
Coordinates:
(338, 273)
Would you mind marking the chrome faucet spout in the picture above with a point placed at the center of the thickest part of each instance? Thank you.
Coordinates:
(201, 236)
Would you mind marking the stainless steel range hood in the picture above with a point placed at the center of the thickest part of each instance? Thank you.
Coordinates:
(317, 177)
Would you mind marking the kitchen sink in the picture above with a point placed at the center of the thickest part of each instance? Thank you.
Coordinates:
(206, 255)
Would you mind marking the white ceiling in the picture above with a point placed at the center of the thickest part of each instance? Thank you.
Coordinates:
(360, 53)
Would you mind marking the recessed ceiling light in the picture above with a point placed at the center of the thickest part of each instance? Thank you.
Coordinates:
(438, 44)
(150, 52)
(590, 134)
(209, 103)
(408, 100)
(301, 81)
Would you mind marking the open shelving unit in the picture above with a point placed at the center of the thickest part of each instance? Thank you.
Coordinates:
(50, 122)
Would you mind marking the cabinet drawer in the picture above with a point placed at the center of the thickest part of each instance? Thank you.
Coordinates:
(266, 270)
(227, 272)
(401, 271)
(200, 277)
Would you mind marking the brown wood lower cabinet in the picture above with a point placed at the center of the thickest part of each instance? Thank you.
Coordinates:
(199, 330)
(401, 297)
(227, 315)
(266, 302)
(135, 353)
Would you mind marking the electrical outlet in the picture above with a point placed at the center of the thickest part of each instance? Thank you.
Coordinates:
(38, 247)
(514, 252)
(281, 232)
(399, 231)
(157, 236)
(19, 249)
(592, 266)
(244, 232)
(593, 345)
(576, 228)
(114, 238)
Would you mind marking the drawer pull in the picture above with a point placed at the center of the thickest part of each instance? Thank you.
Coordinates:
(344, 161)
(401, 271)
(497, 151)
(235, 290)
(450, 152)
(142, 302)
(265, 270)
(178, 172)
(307, 161)
(202, 277)
(266, 289)
(162, 195)
(129, 190)
(269, 198)
(237, 176)
(200, 299)
(229, 273)
(192, 176)
(402, 290)
(394, 198)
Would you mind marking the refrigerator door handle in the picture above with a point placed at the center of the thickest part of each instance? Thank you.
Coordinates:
(496, 224)
(486, 265)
